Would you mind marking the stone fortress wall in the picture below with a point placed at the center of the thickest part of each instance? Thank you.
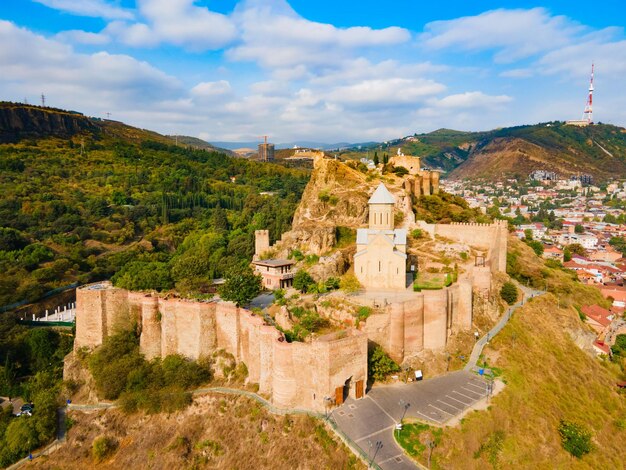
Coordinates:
(423, 322)
(419, 182)
(295, 375)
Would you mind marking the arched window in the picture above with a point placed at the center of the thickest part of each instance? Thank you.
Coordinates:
(380, 267)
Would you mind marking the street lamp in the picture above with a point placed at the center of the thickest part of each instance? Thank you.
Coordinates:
(379, 445)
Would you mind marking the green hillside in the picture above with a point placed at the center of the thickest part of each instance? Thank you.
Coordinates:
(84, 206)
(599, 150)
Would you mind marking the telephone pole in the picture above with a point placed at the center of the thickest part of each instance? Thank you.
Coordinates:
(43, 100)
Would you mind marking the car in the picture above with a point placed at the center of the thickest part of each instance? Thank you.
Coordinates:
(27, 407)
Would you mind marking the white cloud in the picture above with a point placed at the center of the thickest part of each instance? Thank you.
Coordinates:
(275, 36)
(90, 82)
(471, 99)
(83, 37)
(517, 73)
(211, 89)
(385, 92)
(515, 34)
(177, 22)
(93, 8)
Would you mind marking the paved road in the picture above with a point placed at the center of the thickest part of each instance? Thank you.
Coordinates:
(373, 418)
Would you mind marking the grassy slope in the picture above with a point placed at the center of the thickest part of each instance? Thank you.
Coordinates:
(246, 436)
(548, 379)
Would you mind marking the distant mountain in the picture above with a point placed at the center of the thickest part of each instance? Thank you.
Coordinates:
(20, 121)
(287, 145)
(196, 143)
(599, 150)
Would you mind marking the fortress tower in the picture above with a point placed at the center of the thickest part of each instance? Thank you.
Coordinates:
(380, 259)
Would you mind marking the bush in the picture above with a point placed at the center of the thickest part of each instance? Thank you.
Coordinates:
(332, 283)
(380, 365)
(102, 447)
(302, 281)
(241, 286)
(575, 438)
(509, 293)
(349, 283)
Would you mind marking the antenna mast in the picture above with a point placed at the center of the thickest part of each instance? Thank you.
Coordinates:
(588, 113)
(43, 100)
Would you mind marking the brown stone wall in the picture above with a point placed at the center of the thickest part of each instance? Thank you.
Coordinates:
(90, 327)
(435, 319)
(463, 318)
(150, 340)
(396, 331)
(227, 328)
(414, 326)
(284, 386)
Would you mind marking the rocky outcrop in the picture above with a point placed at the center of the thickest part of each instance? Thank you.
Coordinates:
(19, 121)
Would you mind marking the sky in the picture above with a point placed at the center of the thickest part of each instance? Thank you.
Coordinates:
(340, 71)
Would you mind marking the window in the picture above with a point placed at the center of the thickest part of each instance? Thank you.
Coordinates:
(380, 266)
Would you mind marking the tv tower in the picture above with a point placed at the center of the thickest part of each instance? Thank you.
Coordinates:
(588, 113)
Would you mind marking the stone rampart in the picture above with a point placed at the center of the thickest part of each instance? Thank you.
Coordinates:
(425, 321)
(294, 374)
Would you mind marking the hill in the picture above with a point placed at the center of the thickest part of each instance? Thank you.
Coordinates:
(82, 199)
(543, 357)
(599, 150)
(199, 144)
(216, 432)
(21, 121)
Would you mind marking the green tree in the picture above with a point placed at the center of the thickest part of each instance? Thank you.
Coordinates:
(303, 281)
(575, 438)
(509, 293)
(241, 285)
(537, 247)
(141, 275)
(376, 160)
(577, 248)
(528, 234)
(578, 228)
(11, 239)
(380, 365)
(567, 254)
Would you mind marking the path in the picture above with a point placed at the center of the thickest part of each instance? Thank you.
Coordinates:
(480, 344)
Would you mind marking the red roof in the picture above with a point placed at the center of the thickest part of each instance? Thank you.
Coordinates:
(598, 314)
(602, 347)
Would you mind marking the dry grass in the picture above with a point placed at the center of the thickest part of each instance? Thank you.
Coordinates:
(548, 379)
(216, 432)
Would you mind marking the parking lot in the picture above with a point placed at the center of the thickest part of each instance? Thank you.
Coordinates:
(370, 422)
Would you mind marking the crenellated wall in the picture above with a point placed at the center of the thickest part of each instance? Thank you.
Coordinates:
(492, 238)
(424, 322)
(296, 375)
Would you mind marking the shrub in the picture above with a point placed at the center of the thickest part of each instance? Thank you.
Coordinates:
(240, 286)
(102, 447)
(575, 438)
(332, 283)
(349, 283)
(380, 365)
(509, 293)
(302, 281)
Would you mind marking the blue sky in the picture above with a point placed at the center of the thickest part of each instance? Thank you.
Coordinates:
(315, 70)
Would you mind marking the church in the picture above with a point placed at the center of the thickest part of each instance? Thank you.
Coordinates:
(380, 258)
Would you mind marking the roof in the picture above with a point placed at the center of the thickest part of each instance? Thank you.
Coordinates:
(399, 235)
(597, 313)
(273, 263)
(382, 196)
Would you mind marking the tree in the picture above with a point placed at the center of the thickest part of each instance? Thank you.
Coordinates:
(11, 239)
(241, 286)
(509, 293)
(302, 281)
(380, 365)
(537, 246)
(567, 254)
(349, 283)
(376, 160)
(575, 439)
(400, 171)
(577, 249)
(579, 229)
(528, 234)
